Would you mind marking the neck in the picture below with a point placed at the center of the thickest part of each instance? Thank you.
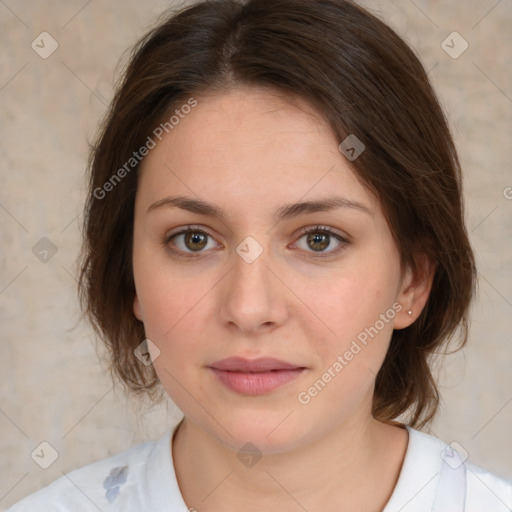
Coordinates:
(335, 472)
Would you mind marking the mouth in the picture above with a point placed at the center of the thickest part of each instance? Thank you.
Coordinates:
(255, 377)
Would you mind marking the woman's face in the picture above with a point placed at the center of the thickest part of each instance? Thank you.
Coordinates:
(253, 173)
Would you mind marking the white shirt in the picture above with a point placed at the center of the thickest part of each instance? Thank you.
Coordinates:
(433, 478)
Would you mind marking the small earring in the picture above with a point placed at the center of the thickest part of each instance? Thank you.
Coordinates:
(409, 312)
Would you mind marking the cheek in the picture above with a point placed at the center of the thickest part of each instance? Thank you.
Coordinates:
(174, 320)
(351, 349)
(179, 318)
(351, 317)
(174, 313)
(349, 302)
(169, 295)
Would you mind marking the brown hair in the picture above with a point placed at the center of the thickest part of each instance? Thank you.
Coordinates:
(364, 80)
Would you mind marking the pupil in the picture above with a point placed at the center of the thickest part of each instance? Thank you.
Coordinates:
(319, 240)
(195, 239)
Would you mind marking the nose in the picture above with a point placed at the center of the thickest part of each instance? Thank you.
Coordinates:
(253, 298)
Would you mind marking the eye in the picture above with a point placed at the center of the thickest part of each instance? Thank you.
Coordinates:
(189, 241)
(320, 238)
(195, 240)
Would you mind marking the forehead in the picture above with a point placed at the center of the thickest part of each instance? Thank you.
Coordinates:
(249, 147)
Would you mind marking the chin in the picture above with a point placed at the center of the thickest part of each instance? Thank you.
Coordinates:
(265, 430)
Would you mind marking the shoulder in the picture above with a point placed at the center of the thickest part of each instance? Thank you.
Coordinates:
(486, 490)
(108, 484)
(479, 488)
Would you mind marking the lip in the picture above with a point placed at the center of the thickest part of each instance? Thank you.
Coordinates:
(255, 376)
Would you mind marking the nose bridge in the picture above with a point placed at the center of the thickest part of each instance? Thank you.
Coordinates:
(252, 297)
(250, 270)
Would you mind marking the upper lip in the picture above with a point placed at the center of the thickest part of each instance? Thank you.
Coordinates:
(262, 364)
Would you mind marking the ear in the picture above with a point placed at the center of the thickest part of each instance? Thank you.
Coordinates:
(414, 292)
(137, 310)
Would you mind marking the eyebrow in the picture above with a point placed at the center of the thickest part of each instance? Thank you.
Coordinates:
(285, 212)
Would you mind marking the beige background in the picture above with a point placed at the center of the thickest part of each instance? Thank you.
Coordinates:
(52, 387)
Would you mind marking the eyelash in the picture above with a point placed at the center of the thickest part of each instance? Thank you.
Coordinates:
(324, 230)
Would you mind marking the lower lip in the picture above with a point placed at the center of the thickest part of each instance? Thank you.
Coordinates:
(256, 383)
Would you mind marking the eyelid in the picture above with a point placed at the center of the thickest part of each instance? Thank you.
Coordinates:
(322, 229)
(184, 229)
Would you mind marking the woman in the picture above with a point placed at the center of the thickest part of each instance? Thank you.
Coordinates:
(275, 238)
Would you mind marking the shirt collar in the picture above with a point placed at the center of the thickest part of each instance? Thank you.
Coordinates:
(417, 483)
(163, 491)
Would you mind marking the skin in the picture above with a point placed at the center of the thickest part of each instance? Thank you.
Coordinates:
(250, 151)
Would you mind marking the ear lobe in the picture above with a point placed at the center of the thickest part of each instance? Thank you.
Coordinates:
(137, 310)
(415, 291)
